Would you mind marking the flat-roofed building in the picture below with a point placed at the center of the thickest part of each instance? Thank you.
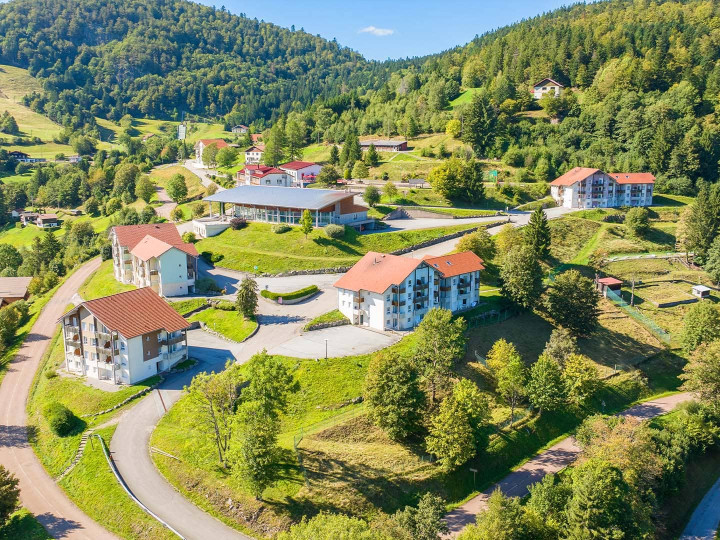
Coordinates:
(123, 338)
(273, 204)
(385, 145)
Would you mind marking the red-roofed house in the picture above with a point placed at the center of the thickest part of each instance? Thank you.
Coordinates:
(254, 154)
(592, 188)
(262, 175)
(202, 144)
(154, 256)
(389, 292)
(301, 172)
(123, 338)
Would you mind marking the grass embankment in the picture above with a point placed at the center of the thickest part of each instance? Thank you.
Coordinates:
(102, 283)
(161, 176)
(257, 245)
(229, 323)
(329, 317)
(294, 295)
(22, 525)
(184, 307)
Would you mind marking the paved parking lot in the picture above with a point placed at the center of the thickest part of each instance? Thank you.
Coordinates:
(341, 341)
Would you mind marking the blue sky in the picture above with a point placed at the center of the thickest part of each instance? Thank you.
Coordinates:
(392, 29)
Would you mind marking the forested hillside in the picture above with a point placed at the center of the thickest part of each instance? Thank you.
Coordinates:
(161, 57)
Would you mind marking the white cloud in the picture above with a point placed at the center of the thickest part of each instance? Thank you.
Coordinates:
(375, 31)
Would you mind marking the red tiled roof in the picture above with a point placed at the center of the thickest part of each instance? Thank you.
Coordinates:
(297, 165)
(134, 313)
(267, 170)
(131, 235)
(255, 148)
(217, 142)
(456, 264)
(573, 176)
(376, 272)
(150, 247)
(255, 137)
(633, 178)
(610, 281)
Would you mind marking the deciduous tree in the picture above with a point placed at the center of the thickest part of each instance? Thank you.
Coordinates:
(702, 374)
(545, 387)
(256, 453)
(306, 223)
(700, 325)
(9, 494)
(371, 196)
(521, 276)
(581, 378)
(177, 188)
(144, 189)
(480, 243)
(572, 302)
(511, 381)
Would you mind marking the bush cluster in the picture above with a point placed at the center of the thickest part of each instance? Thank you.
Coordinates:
(281, 228)
(312, 289)
(238, 223)
(62, 421)
(335, 231)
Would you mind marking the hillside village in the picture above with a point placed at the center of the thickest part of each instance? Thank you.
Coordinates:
(457, 300)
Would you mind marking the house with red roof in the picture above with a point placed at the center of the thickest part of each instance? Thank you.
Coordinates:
(301, 172)
(263, 175)
(154, 256)
(202, 144)
(584, 187)
(389, 292)
(123, 338)
(254, 154)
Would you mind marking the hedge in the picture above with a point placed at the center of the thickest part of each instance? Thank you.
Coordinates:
(62, 421)
(312, 289)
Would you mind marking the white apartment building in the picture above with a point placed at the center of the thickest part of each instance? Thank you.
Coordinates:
(202, 144)
(389, 292)
(592, 188)
(154, 256)
(301, 172)
(254, 154)
(123, 338)
(547, 86)
(262, 175)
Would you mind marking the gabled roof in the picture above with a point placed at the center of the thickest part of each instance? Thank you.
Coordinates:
(255, 148)
(376, 272)
(456, 264)
(134, 313)
(297, 165)
(610, 281)
(259, 173)
(381, 142)
(150, 247)
(14, 287)
(129, 235)
(47, 216)
(217, 142)
(550, 81)
(633, 178)
(573, 176)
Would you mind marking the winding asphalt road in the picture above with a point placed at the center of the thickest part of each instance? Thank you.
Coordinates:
(39, 493)
(703, 524)
(555, 458)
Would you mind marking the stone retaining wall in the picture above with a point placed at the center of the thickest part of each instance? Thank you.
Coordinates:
(127, 400)
(320, 326)
(219, 335)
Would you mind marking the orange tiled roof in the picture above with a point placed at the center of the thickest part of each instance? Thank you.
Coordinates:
(633, 178)
(376, 272)
(297, 165)
(456, 264)
(573, 176)
(134, 313)
(150, 247)
(130, 236)
(217, 142)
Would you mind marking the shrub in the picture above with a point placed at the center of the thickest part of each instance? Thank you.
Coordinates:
(224, 305)
(614, 218)
(281, 228)
(238, 223)
(50, 374)
(312, 289)
(189, 237)
(61, 419)
(335, 231)
(211, 257)
(206, 284)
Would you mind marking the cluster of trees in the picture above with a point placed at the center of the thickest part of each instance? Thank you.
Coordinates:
(626, 469)
(8, 124)
(241, 417)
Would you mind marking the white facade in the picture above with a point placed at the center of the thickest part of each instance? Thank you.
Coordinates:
(600, 190)
(92, 350)
(547, 87)
(298, 175)
(253, 155)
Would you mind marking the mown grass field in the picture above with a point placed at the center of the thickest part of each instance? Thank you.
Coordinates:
(161, 176)
(257, 245)
(186, 306)
(102, 283)
(464, 98)
(230, 324)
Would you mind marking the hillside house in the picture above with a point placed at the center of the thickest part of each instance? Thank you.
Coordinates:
(583, 187)
(382, 145)
(254, 154)
(202, 144)
(262, 175)
(13, 289)
(389, 292)
(301, 172)
(547, 86)
(241, 129)
(154, 256)
(47, 221)
(124, 338)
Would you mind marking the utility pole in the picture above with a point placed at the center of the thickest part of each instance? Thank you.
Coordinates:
(632, 294)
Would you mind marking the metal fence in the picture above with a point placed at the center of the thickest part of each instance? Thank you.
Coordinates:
(635, 314)
(490, 317)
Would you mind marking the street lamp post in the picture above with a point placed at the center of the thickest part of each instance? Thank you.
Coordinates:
(325, 349)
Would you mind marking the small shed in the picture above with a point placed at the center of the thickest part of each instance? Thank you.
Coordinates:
(701, 291)
(417, 182)
(608, 284)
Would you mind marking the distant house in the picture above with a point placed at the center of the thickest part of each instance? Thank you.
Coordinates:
(254, 154)
(17, 155)
(28, 218)
(603, 285)
(701, 291)
(47, 221)
(584, 187)
(262, 175)
(123, 338)
(74, 159)
(13, 289)
(75, 212)
(546, 86)
(301, 172)
(385, 145)
(417, 182)
(202, 144)
(240, 129)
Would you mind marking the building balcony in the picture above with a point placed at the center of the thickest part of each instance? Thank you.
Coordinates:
(398, 302)
(398, 290)
(358, 299)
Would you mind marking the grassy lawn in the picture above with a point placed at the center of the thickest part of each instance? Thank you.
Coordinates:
(93, 487)
(257, 245)
(102, 283)
(329, 317)
(16, 178)
(23, 525)
(14, 234)
(319, 153)
(230, 324)
(570, 236)
(161, 176)
(464, 98)
(55, 452)
(186, 306)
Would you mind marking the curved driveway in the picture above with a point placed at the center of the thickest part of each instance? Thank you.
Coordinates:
(552, 460)
(39, 493)
(703, 524)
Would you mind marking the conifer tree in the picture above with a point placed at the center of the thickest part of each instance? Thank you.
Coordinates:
(537, 234)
